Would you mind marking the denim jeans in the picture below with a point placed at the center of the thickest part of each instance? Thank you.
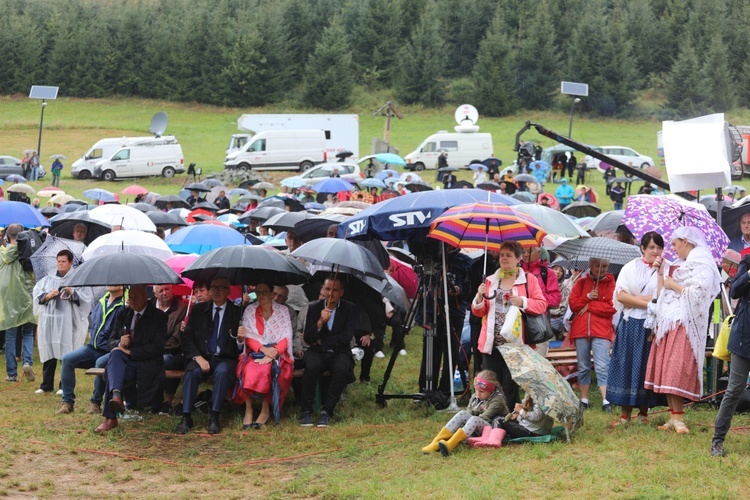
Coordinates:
(99, 383)
(27, 333)
(34, 173)
(600, 348)
(84, 357)
(739, 370)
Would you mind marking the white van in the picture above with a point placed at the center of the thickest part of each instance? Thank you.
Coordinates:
(153, 156)
(463, 148)
(280, 150)
(83, 168)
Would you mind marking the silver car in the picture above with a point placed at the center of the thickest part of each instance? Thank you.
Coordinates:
(10, 165)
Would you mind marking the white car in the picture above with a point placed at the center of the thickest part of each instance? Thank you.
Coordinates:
(347, 171)
(624, 154)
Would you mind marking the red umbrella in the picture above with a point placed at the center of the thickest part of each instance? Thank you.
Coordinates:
(134, 190)
(404, 276)
(191, 216)
(179, 262)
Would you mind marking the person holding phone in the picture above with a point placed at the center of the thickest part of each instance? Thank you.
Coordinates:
(686, 290)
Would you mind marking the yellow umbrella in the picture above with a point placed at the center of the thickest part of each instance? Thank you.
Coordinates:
(61, 199)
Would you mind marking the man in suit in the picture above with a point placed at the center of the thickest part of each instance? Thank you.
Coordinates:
(136, 349)
(211, 347)
(222, 201)
(742, 241)
(329, 329)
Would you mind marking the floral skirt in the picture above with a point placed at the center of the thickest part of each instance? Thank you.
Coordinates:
(672, 368)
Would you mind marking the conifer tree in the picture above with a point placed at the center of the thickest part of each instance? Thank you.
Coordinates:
(328, 78)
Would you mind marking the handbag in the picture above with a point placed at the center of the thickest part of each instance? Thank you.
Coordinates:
(536, 327)
(722, 340)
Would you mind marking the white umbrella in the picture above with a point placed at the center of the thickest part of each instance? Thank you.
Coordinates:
(50, 192)
(21, 188)
(124, 216)
(128, 241)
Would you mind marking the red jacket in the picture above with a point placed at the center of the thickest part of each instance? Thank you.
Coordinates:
(597, 320)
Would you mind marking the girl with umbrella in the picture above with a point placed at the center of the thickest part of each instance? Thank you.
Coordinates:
(675, 364)
(267, 330)
(634, 290)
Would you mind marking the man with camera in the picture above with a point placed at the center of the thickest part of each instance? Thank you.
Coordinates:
(16, 311)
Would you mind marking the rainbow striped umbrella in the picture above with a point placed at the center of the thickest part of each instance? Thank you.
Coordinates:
(485, 226)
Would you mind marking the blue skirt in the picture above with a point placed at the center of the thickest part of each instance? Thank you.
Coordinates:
(627, 367)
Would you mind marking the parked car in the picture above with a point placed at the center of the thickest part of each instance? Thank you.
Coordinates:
(347, 171)
(10, 165)
(624, 154)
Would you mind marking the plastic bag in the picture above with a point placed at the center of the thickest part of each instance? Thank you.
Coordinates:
(720, 347)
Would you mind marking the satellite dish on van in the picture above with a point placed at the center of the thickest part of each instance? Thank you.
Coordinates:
(158, 124)
(466, 116)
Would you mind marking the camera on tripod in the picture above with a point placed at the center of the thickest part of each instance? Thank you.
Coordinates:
(450, 279)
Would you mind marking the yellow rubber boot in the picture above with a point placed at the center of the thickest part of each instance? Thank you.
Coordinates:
(433, 446)
(446, 447)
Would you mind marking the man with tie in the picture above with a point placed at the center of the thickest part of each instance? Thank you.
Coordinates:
(136, 356)
(211, 348)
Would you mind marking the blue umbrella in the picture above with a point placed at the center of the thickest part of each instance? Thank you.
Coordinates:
(202, 238)
(213, 183)
(478, 166)
(15, 178)
(542, 164)
(402, 217)
(311, 205)
(332, 185)
(275, 391)
(2, 182)
(384, 174)
(16, 212)
(293, 182)
(372, 182)
(99, 194)
(391, 158)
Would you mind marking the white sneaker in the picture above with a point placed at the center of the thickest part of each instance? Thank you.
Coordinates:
(28, 372)
(402, 352)
(379, 354)
(39, 391)
(59, 392)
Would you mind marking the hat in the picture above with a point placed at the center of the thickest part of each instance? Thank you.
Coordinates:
(563, 181)
(691, 234)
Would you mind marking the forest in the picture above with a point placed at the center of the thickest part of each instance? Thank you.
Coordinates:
(503, 55)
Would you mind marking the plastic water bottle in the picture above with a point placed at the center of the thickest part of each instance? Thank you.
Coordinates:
(358, 353)
(457, 383)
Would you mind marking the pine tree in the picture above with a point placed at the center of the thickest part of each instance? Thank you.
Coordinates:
(375, 37)
(716, 77)
(685, 92)
(537, 61)
(328, 79)
(493, 72)
(422, 62)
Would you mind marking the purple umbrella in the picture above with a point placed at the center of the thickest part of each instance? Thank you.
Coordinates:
(664, 214)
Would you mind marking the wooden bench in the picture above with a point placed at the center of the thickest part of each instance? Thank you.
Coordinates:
(562, 357)
(181, 373)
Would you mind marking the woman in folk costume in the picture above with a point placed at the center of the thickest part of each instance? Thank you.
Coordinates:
(267, 329)
(675, 364)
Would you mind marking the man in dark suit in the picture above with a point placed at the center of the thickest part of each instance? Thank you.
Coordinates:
(135, 356)
(210, 346)
(329, 330)
(222, 201)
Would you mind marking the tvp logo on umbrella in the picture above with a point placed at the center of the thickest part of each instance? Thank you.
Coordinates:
(409, 218)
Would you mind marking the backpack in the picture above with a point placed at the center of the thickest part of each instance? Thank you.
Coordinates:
(28, 242)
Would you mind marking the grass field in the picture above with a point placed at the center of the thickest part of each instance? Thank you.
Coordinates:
(368, 452)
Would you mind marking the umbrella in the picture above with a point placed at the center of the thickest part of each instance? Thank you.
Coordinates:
(134, 190)
(538, 378)
(377, 248)
(316, 227)
(61, 199)
(143, 207)
(463, 184)
(294, 205)
(205, 205)
(524, 197)
(613, 251)
(61, 157)
(238, 191)
(49, 192)
(627, 180)
(341, 256)
(332, 185)
(404, 275)
(128, 241)
(285, 220)
(372, 182)
(247, 198)
(49, 211)
(85, 207)
(194, 214)
(197, 186)
(384, 174)
(261, 214)
(390, 158)
(44, 260)
(99, 195)
(554, 222)
(63, 225)
(489, 186)
(398, 218)
(492, 162)
(212, 183)
(653, 171)
(416, 186)
(247, 265)
(526, 178)
(262, 185)
(607, 223)
(664, 214)
(551, 200)
(541, 163)
(293, 182)
(478, 166)
(202, 238)
(580, 209)
(21, 188)
(272, 201)
(314, 206)
(178, 263)
(16, 212)
(15, 178)
(124, 216)
(402, 255)
(166, 219)
(174, 200)
(122, 268)
(450, 169)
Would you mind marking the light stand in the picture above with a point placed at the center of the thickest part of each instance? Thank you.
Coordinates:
(572, 108)
(41, 125)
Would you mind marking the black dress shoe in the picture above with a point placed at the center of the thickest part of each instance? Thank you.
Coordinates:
(115, 405)
(186, 423)
(213, 423)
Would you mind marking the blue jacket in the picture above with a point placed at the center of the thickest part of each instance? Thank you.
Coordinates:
(739, 339)
(564, 194)
(102, 322)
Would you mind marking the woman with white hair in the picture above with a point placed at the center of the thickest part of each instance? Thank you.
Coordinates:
(686, 290)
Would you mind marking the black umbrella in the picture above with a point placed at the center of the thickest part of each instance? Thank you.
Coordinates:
(50, 211)
(63, 225)
(582, 249)
(197, 186)
(261, 214)
(285, 221)
(122, 268)
(523, 197)
(206, 205)
(69, 207)
(174, 200)
(166, 219)
(462, 185)
(294, 205)
(375, 246)
(143, 207)
(489, 162)
(489, 186)
(247, 265)
(402, 255)
(526, 178)
(416, 186)
(343, 155)
(341, 256)
(580, 209)
(621, 179)
(730, 220)
(272, 202)
(316, 227)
